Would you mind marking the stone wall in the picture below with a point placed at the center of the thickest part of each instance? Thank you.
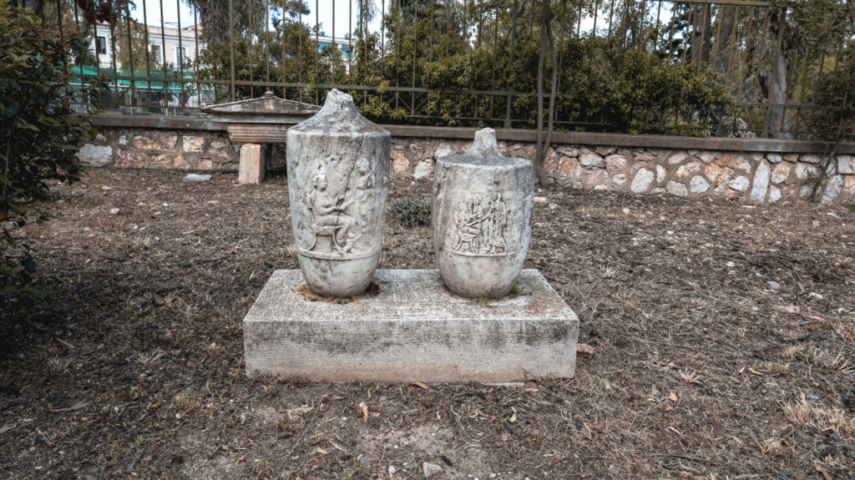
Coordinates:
(751, 177)
(141, 148)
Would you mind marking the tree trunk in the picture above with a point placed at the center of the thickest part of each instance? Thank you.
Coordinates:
(726, 36)
(778, 125)
(701, 33)
(540, 150)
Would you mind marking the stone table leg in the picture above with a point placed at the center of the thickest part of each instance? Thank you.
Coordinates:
(251, 164)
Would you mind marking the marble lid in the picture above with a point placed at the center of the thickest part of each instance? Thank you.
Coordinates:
(485, 152)
(339, 116)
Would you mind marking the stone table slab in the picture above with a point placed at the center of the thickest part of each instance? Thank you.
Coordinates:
(410, 328)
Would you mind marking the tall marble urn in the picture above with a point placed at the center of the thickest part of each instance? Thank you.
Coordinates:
(338, 180)
(481, 220)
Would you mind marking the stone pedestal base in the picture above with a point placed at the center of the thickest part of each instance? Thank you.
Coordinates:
(251, 164)
(410, 328)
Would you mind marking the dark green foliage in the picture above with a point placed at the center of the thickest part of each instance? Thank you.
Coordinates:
(39, 134)
(835, 88)
(410, 212)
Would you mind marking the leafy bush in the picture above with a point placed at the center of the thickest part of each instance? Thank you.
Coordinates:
(410, 212)
(39, 134)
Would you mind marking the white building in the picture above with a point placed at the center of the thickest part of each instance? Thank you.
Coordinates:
(168, 42)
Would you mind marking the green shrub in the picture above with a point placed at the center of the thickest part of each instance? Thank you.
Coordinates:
(410, 212)
(39, 134)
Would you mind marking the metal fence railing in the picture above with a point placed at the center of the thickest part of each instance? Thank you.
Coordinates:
(731, 67)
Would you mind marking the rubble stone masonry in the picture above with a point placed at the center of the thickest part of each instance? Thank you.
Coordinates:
(754, 177)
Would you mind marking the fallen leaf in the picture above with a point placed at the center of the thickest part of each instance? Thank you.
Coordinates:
(513, 418)
(584, 350)
(76, 406)
(65, 343)
(673, 397)
(7, 427)
(240, 459)
(321, 451)
(364, 408)
(788, 309)
(421, 385)
(823, 471)
(299, 410)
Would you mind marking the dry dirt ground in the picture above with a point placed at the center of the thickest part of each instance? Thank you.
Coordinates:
(702, 369)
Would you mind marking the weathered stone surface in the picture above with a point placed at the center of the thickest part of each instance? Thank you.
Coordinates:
(642, 181)
(258, 133)
(595, 177)
(619, 179)
(195, 177)
(590, 159)
(160, 161)
(443, 150)
(699, 184)
(687, 170)
(832, 188)
(481, 222)
(707, 157)
(677, 189)
(805, 171)
(616, 162)
(846, 165)
(645, 156)
(781, 172)
(568, 151)
(144, 142)
(849, 185)
(774, 194)
(129, 159)
(677, 157)
(219, 147)
(604, 150)
(413, 329)
(740, 183)
(338, 180)
(192, 144)
(251, 170)
(810, 158)
(181, 163)
(661, 174)
(169, 141)
(761, 182)
(739, 162)
(430, 469)
(774, 158)
(95, 155)
(400, 163)
(423, 170)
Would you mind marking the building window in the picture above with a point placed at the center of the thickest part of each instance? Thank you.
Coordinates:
(157, 53)
(180, 56)
(101, 45)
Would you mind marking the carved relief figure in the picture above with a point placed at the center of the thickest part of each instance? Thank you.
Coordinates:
(329, 218)
(468, 218)
(364, 191)
(497, 221)
(478, 232)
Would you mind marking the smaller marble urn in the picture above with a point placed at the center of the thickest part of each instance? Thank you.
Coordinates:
(338, 180)
(482, 207)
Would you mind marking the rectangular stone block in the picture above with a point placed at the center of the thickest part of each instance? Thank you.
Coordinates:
(251, 169)
(410, 328)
